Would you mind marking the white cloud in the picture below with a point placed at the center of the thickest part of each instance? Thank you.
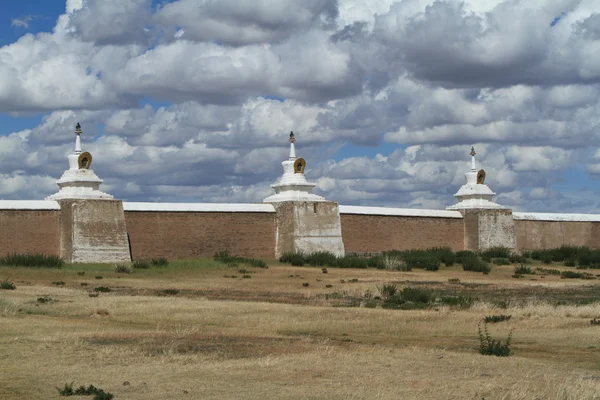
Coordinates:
(421, 80)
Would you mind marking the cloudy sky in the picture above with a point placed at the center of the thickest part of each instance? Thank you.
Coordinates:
(193, 100)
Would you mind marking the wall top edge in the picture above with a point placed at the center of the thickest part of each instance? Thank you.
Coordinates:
(525, 216)
(405, 212)
(199, 207)
(29, 205)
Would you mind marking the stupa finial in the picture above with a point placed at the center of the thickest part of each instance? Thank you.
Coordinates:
(292, 148)
(78, 138)
(473, 165)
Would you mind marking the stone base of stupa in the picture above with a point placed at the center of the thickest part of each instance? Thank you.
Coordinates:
(487, 228)
(308, 226)
(93, 231)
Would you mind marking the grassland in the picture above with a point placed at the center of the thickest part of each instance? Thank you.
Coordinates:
(201, 330)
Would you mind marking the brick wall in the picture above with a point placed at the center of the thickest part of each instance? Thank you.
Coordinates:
(535, 235)
(373, 233)
(30, 231)
(177, 235)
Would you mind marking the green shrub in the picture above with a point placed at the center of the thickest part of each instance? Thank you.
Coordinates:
(444, 254)
(497, 252)
(168, 292)
(387, 290)
(416, 295)
(32, 260)
(159, 262)
(570, 263)
(462, 301)
(421, 259)
(137, 264)
(256, 263)
(501, 261)
(518, 259)
(476, 265)
(44, 299)
(293, 258)
(523, 270)
(58, 283)
(123, 268)
(233, 261)
(351, 262)
(548, 271)
(492, 347)
(376, 262)
(463, 255)
(576, 275)
(102, 289)
(547, 258)
(7, 285)
(454, 280)
(589, 259)
(321, 259)
(98, 393)
(496, 318)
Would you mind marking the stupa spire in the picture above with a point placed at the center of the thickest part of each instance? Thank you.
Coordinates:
(78, 138)
(292, 147)
(473, 164)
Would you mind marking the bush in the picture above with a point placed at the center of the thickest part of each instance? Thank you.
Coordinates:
(393, 262)
(138, 264)
(159, 262)
(351, 262)
(387, 291)
(476, 265)
(123, 268)
(321, 259)
(463, 255)
(570, 263)
(7, 285)
(293, 258)
(444, 254)
(548, 271)
(421, 259)
(518, 259)
(595, 321)
(496, 318)
(501, 261)
(102, 289)
(234, 261)
(98, 393)
(492, 347)
(462, 301)
(523, 270)
(589, 259)
(547, 258)
(416, 295)
(496, 252)
(576, 275)
(32, 260)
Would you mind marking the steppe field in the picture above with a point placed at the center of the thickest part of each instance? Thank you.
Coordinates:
(201, 329)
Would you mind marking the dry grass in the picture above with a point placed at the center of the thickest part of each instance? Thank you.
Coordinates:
(269, 337)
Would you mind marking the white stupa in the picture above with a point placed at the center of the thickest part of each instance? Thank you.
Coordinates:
(79, 181)
(293, 186)
(474, 194)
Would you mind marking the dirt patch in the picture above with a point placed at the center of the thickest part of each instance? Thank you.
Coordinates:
(215, 346)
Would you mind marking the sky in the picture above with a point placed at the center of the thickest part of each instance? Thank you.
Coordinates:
(193, 100)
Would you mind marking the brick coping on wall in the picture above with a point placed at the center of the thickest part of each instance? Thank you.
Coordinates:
(29, 205)
(402, 212)
(268, 208)
(525, 216)
(199, 207)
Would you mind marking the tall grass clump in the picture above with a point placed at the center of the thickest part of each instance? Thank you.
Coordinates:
(444, 254)
(137, 264)
(32, 260)
(159, 262)
(123, 268)
(320, 259)
(234, 261)
(492, 347)
(7, 285)
(295, 258)
(589, 259)
(475, 264)
(495, 252)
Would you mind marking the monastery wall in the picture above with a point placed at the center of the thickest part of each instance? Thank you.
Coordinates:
(535, 231)
(29, 227)
(177, 231)
(375, 229)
